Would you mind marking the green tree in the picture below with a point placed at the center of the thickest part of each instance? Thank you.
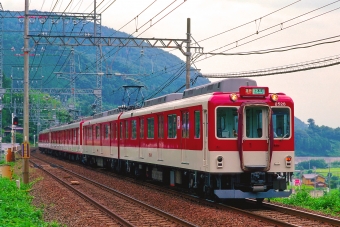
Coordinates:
(311, 123)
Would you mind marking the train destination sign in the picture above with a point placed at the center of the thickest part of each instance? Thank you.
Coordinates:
(254, 91)
(258, 91)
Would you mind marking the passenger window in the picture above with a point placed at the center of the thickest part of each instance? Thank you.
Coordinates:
(151, 128)
(185, 125)
(197, 124)
(134, 129)
(281, 122)
(141, 128)
(160, 126)
(226, 122)
(107, 131)
(126, 129)
(172, 126)
(97, 132)
(121, 130)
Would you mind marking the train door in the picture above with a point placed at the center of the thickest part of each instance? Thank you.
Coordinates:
(253, 140)
(184, 135)
(160, 140)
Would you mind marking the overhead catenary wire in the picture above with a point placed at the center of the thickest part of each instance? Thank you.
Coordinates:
(260, 18)
(285, 48)
(282, 28)
(134, 17)
(281, 25)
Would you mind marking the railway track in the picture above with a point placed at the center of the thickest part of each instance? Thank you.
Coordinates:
(114, 204)
(267, 212)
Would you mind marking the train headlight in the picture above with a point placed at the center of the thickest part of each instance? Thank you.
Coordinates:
(233, 97)
(219, 162)
(274, 97)
(288, 161)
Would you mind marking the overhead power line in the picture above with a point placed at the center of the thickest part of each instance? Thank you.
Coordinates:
(304, 66)
(258, 19)
(285, 48)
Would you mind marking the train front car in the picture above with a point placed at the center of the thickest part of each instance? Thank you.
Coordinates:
(250, 141)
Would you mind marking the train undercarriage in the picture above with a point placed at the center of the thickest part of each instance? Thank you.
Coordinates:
(213, 186)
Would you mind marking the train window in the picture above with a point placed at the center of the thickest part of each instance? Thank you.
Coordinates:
(89, 132)
(151, 127)
(115, 130)
(256, 121)
(126, 129)
(185, 125)
(172, 126)
(226, 122)
(160, 126)
(141, 128)
(197, 124)
(107, 131)
(281, 122)
(97, 132)
(134, 129)
(121, 130)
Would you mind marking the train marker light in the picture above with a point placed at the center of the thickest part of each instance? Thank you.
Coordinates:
(274, 97)
(233, 97)
(219, 162)
(289, 161)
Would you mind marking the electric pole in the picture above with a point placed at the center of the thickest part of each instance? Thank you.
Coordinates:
(25, 172)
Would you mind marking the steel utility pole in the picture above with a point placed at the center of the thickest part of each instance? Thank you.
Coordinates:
(25, 172)
(188, 56)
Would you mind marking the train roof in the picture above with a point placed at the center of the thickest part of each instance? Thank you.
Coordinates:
(174, 99)
(227, 85)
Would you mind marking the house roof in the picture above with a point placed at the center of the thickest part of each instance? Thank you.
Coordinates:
(311, 176)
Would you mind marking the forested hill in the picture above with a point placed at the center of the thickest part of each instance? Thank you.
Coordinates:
(158, 71)
(316, 141)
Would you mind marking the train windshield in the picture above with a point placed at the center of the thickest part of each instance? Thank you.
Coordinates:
(281, 122)
(256, 121)
(226, 122)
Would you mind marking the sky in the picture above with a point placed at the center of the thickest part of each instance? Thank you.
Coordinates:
(315, 92)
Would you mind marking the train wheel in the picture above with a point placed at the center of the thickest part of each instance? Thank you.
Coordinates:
(259, 201)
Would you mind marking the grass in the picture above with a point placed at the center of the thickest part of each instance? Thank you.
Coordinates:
(328, 204)
(334, 171)
(15, 206)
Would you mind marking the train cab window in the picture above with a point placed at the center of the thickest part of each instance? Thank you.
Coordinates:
(197, 124)
(160, 126)
(151, 127)
(226, 122)
(141, 128)
(172, 126)
(185, 124)
(281, 122)
(134, 129)
(257, 120)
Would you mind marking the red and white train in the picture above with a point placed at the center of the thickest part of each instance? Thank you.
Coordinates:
(228, 139)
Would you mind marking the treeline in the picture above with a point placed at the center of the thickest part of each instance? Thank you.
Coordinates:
(317, 140)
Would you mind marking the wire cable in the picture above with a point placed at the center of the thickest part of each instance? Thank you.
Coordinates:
(260, 18)
(285, 48)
